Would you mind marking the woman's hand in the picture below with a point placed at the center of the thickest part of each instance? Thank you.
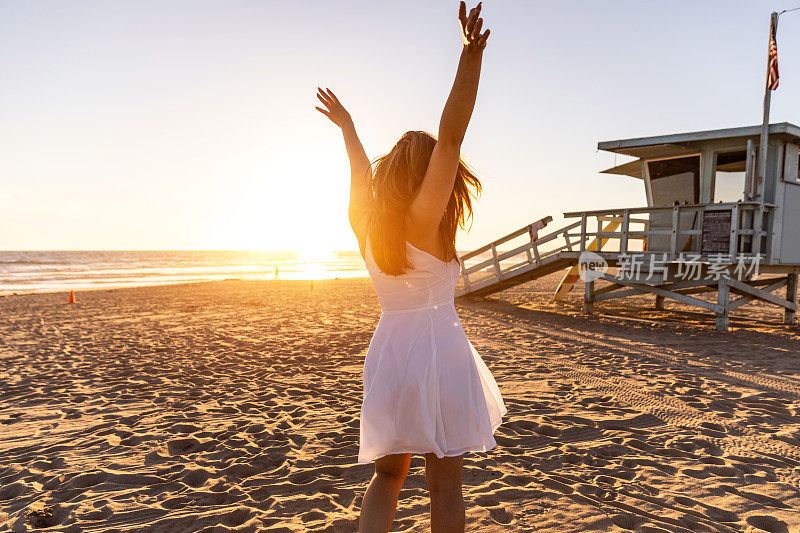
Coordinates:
(429, 204)
(334, 110)
(474, 40)
(360, 168)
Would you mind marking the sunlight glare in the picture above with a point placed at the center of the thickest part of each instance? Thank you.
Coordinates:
(312, 260)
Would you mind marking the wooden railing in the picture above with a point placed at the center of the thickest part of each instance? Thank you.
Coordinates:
(743, 239)
(676, 225)
(532, 252)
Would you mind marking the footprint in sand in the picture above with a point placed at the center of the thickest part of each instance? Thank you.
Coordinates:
(190, 445)
(87, 479)
(196, 477)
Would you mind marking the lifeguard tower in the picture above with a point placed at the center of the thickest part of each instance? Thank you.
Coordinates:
(710, 225)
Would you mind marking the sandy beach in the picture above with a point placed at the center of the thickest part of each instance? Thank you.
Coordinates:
(234, 406)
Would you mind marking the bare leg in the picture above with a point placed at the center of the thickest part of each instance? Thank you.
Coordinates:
(443, 477)
(380, 500)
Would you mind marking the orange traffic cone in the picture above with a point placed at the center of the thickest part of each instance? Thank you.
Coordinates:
(71, 297)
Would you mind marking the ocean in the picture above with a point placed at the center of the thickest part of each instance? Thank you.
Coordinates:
(52, 271)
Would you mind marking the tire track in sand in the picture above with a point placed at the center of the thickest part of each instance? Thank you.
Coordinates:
(733, 438)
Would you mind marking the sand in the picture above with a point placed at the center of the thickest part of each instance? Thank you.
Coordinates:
(233, 406)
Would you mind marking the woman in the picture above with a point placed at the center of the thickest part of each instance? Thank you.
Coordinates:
(426, 389)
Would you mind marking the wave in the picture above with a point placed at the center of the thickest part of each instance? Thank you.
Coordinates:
(66, 270)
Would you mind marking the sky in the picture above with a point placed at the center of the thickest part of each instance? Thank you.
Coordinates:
(147, 125)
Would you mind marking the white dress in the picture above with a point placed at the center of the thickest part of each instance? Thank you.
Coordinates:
(426, 389)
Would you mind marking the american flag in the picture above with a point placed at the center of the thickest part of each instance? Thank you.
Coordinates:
(772, 76)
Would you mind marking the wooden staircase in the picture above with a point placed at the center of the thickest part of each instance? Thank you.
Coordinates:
(529, 257)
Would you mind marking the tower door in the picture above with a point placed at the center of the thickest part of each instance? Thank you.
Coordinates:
(673, 181)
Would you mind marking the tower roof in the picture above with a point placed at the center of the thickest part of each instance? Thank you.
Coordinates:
(687, 143)
(638, 147)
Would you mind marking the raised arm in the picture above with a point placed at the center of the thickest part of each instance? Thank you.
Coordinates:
(427, 208)
(360, 168)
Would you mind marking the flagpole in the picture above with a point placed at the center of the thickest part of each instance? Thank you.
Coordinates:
(763, 143)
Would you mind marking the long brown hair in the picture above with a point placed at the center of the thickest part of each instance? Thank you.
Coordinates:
(396, 180)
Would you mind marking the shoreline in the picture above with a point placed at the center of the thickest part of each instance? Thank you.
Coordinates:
(55, 271)
(168, 283)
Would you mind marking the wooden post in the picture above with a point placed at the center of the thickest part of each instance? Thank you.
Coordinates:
(626, 222)
(588, 296)
(791, 295)
(659, 305)
(464, 275)
(758, 221)
(733, 244)
(533, 232)
(495, 262)
(648, 190)
(723, 295)
(749, 172)
(583, 232)
(764, 142)
(676, 224)
(708, 166)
